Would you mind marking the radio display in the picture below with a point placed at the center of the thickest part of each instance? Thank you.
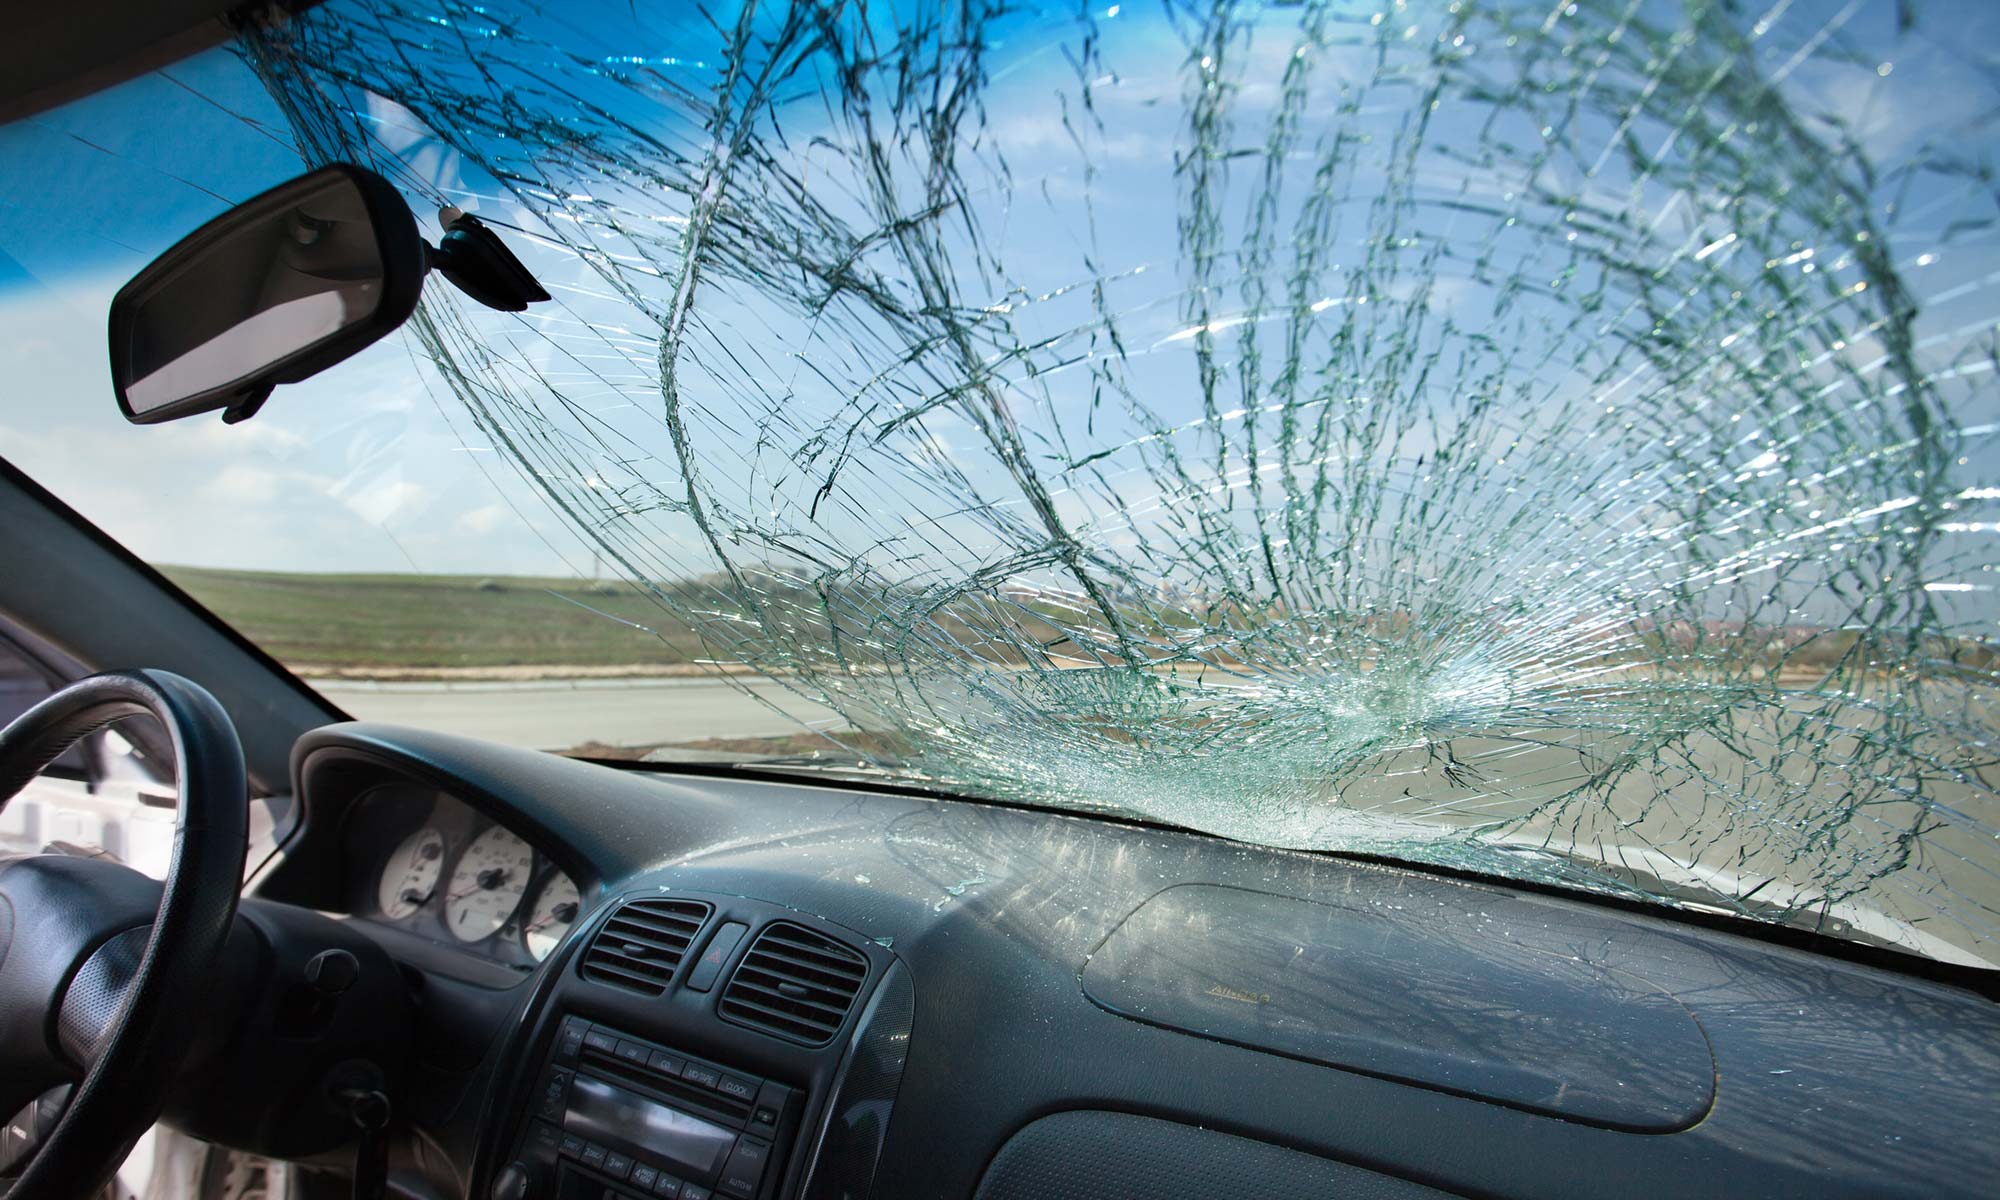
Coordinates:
(687, 1144)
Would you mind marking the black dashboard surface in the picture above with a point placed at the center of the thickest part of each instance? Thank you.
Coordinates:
(1586, 1040)
(1829, 1077)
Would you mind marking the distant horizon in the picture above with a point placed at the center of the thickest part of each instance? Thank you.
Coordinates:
(368, 574)
(1711, 624)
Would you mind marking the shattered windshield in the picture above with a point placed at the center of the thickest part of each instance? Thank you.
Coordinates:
(1548, 440)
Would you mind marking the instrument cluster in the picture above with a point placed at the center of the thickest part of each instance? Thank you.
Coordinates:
(431, 865)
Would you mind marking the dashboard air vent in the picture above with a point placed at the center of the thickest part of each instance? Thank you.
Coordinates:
(795, 983)
(643, 942)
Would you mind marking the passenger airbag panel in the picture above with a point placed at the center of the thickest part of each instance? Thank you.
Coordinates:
(1492, 996)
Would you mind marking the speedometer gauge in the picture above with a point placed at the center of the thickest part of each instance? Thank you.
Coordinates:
(551, 915)
(487, 885)
(411, 875)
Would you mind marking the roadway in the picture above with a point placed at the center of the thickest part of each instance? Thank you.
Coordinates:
(559, 713)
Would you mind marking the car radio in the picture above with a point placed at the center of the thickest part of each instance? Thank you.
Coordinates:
(615, 1117)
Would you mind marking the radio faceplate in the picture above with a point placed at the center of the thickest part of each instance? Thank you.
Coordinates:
(616, 1116)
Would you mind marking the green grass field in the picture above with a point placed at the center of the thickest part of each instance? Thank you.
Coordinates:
(385, 625)
(417, 621)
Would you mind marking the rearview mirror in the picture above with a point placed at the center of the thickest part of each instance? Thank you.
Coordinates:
(276, 289)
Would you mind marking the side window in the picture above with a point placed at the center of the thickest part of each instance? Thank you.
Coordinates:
(111, 794)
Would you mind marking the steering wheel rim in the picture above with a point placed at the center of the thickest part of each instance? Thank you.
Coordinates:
(121, 1027)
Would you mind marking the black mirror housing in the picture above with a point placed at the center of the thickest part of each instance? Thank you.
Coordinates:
(273, 291)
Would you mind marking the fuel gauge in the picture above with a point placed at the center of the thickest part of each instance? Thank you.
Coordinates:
(554, 911)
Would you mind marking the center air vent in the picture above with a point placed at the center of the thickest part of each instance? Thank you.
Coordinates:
(643, 942)
(795, 983)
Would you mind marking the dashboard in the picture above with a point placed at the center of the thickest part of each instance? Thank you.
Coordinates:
(675, 986)
(430, 865)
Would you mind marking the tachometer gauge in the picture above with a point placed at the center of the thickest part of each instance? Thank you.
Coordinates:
(411, 876)
(487, 885)
(550, 916)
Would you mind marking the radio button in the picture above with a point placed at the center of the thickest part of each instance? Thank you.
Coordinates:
(741, 1089)
(601, 1042)
(633, 1052)
(643, 1177)
(691, 1192)
(706, 1077)
(667, 1064)
(550, 1106)
(746, 1167)
(617, 1165)
(771, 1100)
(569, 1043)
(572, 1146)
(666, 1187)
(593, 1156)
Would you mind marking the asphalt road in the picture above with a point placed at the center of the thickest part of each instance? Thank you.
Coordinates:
(557, 714)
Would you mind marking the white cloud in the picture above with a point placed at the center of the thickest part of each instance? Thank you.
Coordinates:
(482, 520)
(242, 483)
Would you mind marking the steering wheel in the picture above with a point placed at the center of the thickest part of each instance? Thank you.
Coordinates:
(102, 970)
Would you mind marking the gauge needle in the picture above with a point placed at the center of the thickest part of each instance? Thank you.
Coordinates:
(486, 881)
(564, 913)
